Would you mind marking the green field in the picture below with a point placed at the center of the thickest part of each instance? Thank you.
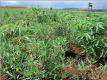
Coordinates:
(33, 42)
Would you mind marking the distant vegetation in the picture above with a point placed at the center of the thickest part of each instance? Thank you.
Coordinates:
(33, 42)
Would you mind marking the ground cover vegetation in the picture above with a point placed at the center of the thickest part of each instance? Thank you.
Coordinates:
(48, 44)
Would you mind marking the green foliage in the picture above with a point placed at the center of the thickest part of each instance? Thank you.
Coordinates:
(33, 41)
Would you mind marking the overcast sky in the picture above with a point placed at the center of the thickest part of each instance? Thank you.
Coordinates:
(98, 4)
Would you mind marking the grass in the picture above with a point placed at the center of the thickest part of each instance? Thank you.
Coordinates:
(33, 41)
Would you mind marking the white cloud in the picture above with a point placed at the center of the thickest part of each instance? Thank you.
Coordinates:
(12, 2)
(57, 4)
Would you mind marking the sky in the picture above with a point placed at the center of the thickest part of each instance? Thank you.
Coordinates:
(98, 4)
